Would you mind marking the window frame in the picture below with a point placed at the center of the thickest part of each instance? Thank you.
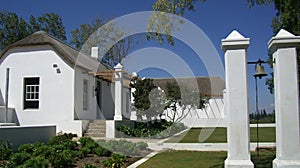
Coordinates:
(85, 94)
(31, 93)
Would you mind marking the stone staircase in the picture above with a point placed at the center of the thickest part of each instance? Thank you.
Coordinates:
(96, 129)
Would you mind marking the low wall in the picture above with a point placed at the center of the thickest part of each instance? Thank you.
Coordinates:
(11, 115)
(18, 135)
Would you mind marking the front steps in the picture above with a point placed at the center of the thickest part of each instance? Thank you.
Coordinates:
(96, 129)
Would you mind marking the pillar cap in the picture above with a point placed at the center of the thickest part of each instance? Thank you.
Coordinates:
(283, 39)
(119, 66)
(235, 41)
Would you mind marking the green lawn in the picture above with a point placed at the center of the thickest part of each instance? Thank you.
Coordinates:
(179, 159)
(219, 135)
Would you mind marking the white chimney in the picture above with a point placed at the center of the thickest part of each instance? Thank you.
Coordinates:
(94, 52)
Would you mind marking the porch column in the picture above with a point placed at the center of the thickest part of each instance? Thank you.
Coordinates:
(238, 155)
(283, 49)
(118, 92)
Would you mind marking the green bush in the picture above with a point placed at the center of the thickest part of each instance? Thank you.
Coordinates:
(90, 166)
(122, 146)
(43, 150)
(37, 162)
(30, 148)
(142, 145)
(18, 158)
(100, 151)
(83, 152)
(5, 150)
(115, 161)
(60, 139)
(88, 143)
(63, 158)
(157, 129)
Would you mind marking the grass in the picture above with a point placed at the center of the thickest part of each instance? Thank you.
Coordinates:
(191, 159)
(219, 135)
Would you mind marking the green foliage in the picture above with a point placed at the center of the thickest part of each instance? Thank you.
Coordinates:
(183, 97)
(5, 150)
(90, 166)
(111, 40)
(19, 158)
(101, 151)
(262, 117)
(288, 18)
(36, 162)
(115, 161)
(148, 100)
(60, 139)
(88, 143)
(30, 148)
(83, 152)
(62, 159)
(14, 28)
(43, 151)
(162, 24)
(123, 147)
(154, 129)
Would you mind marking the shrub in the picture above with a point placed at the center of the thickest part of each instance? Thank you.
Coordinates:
(100, 151)
(88, 143)
(43, 150)
(90, 166)
(29, 148)
(18, 158)
(122, 146)
(142, 145)
(37, 162)
(60, 139)
(63, 158)
(115, 161)
(158, 129)
(5, 150)
(83, 152)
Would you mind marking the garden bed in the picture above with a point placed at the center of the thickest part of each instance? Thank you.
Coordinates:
(62, 151)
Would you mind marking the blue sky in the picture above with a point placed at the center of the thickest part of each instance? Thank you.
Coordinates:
(214, 17)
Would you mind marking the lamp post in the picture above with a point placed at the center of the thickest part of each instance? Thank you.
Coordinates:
(259, 73)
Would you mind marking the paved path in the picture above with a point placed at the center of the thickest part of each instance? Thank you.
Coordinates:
(200, 146)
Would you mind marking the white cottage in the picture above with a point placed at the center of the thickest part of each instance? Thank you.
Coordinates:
(52, 83)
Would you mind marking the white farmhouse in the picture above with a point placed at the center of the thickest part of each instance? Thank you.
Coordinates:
(52, 83)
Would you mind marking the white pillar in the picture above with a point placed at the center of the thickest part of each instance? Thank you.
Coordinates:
(283, 49)
(110, 129)
(238, 137)
(118, 92)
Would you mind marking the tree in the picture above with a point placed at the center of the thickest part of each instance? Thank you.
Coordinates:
(287, 17)
(148, 99)
(14, 28)
(50, 23)
(181, 100)
(89, 35)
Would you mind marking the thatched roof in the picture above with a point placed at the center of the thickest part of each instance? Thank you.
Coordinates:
(208, 86)
(69, 54)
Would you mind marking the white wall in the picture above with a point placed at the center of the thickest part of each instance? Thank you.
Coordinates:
(91, 112)
(56, 89)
